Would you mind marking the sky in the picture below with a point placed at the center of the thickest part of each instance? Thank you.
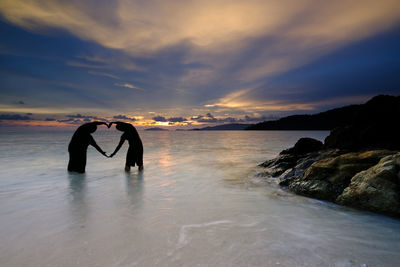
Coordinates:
(186, 64)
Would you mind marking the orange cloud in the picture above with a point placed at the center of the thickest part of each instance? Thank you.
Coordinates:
(239, 100)
(142, 27)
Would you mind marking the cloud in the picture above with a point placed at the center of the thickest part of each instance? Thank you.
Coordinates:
(209, 118)
(21, 102)
(176, 119)
(103, 74)
(138, 27)
(77, 116)
(123, 117)
(209, 115)
(127, 85)
(15, 117)
(71, 121)
(29, 114)
(84, 118)
(160, 118)
(80, 119)
(84, 65)
(50, 119)
(244, 100)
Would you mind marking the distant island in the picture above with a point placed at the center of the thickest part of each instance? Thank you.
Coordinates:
(323, 121)
(155, 129)
(224, 127)
(326, 120)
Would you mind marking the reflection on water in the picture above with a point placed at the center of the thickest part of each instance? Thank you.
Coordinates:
(135, 187)
(78, 190)
(198, 202)
(77, 185)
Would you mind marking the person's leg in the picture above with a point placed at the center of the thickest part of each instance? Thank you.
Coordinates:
(141, 167)
(127, 168)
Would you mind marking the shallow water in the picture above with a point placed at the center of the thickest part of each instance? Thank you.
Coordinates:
(198, 202)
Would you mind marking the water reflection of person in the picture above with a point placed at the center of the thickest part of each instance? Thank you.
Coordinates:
(134, 187)
(80, 141)
(78, 190)
(135, 150)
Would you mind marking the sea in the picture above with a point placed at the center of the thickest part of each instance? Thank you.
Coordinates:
(200, 201)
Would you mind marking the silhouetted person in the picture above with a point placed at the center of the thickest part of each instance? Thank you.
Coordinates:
(135, 150)
(80, 141)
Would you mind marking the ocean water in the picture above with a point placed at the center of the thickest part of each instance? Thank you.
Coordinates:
(199, 202)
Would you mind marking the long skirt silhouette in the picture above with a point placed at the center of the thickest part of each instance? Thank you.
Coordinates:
(77, 148)
(135, 150)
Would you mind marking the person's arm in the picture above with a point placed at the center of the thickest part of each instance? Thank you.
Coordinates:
(121, 142)
(100, 122)
(111, 123)
(94, 144)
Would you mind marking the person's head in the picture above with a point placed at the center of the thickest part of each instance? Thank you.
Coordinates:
(125, 127)
(121, 127)
(92, 128)
(89, 128)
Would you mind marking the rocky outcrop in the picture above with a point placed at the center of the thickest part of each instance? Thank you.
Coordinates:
(303, 163)
(368, 180)
(289, 158)
(327, 178)
(356, 166)
(377, 188)
(303, 146)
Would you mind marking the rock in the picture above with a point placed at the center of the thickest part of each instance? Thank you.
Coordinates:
(277, 166)
(289, 158)
(376, 189)
(327, 178)
(304, 146)
(303, 164)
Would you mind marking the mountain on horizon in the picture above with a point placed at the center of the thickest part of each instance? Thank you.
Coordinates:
(155, 129)
(327, 120)
(224, 127)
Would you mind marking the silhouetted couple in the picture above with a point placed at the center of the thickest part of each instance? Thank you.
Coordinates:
(82, 138)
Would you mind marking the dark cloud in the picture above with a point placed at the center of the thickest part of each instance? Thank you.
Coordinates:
(123, 117)
(50, 119)
(14, 117)
(214, 120)
(209, 115)
(80, 119)
(29, 114)
(21, 102)
(195, 118)
(71, 121)
(77, 116)
(86, 118)
(160, 118)
(209, 118)
(176, 119)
